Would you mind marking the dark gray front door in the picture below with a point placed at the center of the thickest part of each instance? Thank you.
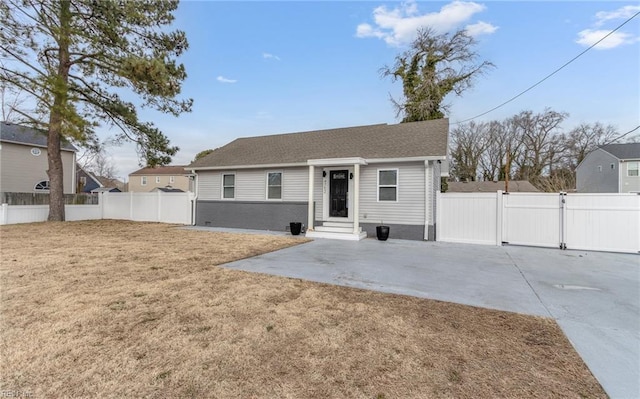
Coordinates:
(338, 189)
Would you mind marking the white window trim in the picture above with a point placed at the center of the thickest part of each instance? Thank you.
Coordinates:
(172, 179)
(157, 179)
(143, 180)
(235, 185)
(266, 177)
(43, 183)
(397, 185)
(637, 163)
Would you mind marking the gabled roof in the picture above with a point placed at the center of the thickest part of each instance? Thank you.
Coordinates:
(175, 170)
(405, 140)
(515, 186)
(623, 151)
(168, 189)
(106, 190)
(18, 134)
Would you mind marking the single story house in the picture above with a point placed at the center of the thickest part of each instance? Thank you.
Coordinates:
(611, 168)
(340, 183)
(86, 181)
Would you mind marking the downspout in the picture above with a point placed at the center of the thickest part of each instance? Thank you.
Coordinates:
(194, 198)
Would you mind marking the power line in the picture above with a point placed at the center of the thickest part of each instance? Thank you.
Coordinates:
(613, 140)
(552, 73)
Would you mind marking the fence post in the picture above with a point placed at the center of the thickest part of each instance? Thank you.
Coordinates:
(438, 214)
(131, 205)
(499, 215)
(159, 214)
(101, 197)
(4, 216)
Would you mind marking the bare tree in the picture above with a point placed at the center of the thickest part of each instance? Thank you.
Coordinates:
(585, 138)
(539, 142)
(468, 144)
(12, 101)
(433, 67)
(100, 164)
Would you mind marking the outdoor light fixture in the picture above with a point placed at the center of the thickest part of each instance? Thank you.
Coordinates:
(350, 176)
(324, 173)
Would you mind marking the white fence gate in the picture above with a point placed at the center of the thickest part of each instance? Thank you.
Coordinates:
(141, 207)
(598, 222)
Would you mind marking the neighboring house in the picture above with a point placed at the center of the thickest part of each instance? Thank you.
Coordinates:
(24, 164)
(111, 183)
(86, 180)
(515, 186)
(168, 189)
(612, 168)
(106, 190)
(147, 179)
(341, 183)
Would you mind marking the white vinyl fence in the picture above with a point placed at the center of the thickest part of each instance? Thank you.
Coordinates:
(142, 207)
(597, 222)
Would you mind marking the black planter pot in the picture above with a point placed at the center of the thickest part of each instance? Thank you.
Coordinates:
(382, 232)
(295, 228)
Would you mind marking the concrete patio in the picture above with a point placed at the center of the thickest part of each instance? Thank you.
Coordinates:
(594, 296)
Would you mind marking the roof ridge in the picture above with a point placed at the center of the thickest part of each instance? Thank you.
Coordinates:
(313, 131)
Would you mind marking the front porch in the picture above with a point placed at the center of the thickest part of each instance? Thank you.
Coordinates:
(339, 198)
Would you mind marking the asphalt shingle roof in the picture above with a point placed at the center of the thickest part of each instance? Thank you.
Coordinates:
(19, 134)
(623, 151)
(175, 170)
(415, 139)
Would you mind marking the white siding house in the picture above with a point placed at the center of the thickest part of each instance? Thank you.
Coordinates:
(360, 177)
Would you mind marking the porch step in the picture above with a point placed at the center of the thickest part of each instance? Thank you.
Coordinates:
(338, 224)
(336, 235)
(335, 229)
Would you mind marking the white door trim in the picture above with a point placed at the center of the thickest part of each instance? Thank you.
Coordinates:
(326, 193)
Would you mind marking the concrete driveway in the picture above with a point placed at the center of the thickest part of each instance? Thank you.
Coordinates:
(594, 296)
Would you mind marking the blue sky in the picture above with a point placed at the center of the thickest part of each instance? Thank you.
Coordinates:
(259, 68)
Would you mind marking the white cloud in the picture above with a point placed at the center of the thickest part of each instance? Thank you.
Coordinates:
(270, 56)
(621, 13)
(480, 28)
(222, 79)
(398, 26)
(588, 37)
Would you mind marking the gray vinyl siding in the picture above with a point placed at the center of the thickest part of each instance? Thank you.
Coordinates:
(410, 207)
(20, 171)
(589, 179)
(251, 184)
(208, 185)
(295, 184)
(628, 183)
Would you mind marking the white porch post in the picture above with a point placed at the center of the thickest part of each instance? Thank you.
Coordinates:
(356, 199)
(310, 214)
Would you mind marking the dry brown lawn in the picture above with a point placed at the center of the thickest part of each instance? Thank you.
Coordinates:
(123, 309)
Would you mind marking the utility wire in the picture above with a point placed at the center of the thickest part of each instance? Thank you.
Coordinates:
(552, 73)
(613, 140)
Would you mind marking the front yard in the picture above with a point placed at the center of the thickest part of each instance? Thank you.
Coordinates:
(124, 309)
